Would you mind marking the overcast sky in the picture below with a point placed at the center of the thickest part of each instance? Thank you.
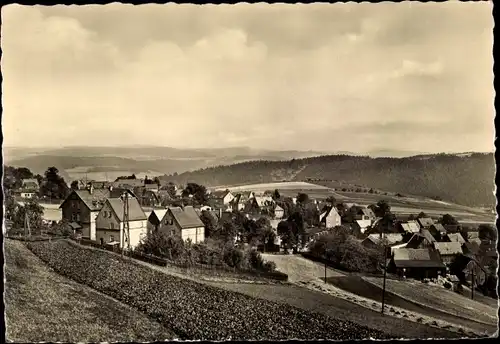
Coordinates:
(408, 76)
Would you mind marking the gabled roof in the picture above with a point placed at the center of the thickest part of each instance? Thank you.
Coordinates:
(94, 201)
(328, 212)
(417, 258)
(470, 248)
(186, 218)
(448, 248)
(363, 223)
(425, 222)
(456, 237)
(367, 212)
(411, 227)
(417, 239)
(30, 181)
(220, 193)
(158, 214)
(262, 200)
(135, 211)
(439, 227)
(426, 234)
(391, 238)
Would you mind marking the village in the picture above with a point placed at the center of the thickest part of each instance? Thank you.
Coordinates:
(107, 213)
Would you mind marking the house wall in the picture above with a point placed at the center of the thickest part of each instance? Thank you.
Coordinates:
(169, 226)
(138, 232)
(106, 219)
(332, 220)
(75, 210)
(196, 235)
(447, 259)
(27, 194)
(228, 198)
(278, 214)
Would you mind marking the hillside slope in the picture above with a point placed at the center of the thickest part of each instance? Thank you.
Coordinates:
(467, 180)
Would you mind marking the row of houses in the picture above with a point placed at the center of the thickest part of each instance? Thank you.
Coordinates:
(100, 215)
(430, 250)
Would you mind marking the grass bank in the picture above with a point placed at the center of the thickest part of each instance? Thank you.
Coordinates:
(41, 305)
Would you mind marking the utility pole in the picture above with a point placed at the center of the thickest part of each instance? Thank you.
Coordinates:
(385, 274)
(325, 270)
(126, 225)
(472, 289)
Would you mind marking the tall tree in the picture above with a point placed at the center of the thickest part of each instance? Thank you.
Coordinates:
(487, 232)
(447, 219)
(198, 193)
(54, 185)
(74, 185)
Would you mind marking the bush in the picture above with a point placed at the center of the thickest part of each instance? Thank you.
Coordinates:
(192, 310)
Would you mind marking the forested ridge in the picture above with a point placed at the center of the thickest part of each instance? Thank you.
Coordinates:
(467, 180)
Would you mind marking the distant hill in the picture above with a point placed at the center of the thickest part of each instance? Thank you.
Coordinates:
(466, 180)
(77, 162)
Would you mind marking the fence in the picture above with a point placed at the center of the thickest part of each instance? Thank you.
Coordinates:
(214, 270)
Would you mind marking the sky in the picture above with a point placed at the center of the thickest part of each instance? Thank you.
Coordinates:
(330, 77)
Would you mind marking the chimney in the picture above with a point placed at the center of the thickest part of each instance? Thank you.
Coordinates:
(91, 188)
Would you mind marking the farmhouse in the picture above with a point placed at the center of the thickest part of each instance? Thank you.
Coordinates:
(29, 188)
(110, 222)
(183, 222)
(374, 241)
(416, 263)
(330, 218)
(154, 219)
(425, 222)
(83, 206)
(146, 197)
(226, 197)
(448, 250)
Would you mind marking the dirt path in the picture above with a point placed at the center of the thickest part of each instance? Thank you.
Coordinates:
(300, 269)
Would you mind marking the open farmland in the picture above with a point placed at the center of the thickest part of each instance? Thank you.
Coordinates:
(192, 310)
(440, 299)
(41, 305)
(357, 285)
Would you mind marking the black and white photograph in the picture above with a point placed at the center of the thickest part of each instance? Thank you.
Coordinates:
(320, 171)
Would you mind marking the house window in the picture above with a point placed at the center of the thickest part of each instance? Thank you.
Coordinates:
(105, 214)
(74, 217)
(112, 226)
(77, 217)
(111, 238)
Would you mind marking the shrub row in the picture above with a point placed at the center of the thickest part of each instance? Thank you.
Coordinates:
(192, 310)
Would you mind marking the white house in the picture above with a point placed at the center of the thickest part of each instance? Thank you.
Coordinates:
(225, 196)
(110, 223)
(330, 218)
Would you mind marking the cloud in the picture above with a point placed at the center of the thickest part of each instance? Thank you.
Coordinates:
(339, 77)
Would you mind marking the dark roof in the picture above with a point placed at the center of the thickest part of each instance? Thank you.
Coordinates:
(426, 234)
(470, 248)
(187, 217)
(417, 258)
(425, 222)
(157, 215)
(367, 212)
(75, 225)
(135, 210)
(94, 201)
(439, 227)
(417, 239)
